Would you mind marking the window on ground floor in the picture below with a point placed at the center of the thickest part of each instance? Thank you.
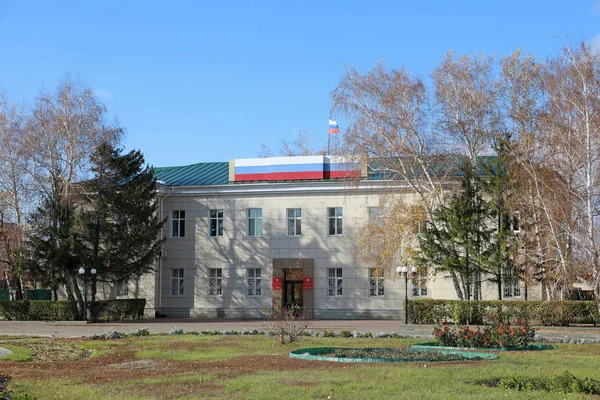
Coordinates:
(253, 281)
(335, 281)
(177, 282)
(122, 288)
(419, 284)
(376, 287)
(511, 283)
(215, 277)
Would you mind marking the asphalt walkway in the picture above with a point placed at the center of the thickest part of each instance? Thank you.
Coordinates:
(68, 329)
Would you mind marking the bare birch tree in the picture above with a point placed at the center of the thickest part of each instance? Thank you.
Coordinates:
(17, 190)
(389, 116)
(466, 93)
(572, 120)
(303, 145)
(65, 127)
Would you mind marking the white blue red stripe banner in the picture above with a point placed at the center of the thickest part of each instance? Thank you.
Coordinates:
(333, 127)
(293, 168)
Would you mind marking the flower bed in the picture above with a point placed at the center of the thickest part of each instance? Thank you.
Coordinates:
(499, 334)
(529, 347)
(386, 355)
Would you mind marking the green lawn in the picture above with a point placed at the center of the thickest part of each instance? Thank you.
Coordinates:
(256, 367)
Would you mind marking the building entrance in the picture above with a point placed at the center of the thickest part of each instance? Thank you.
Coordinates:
(293, 295)
(293, 285)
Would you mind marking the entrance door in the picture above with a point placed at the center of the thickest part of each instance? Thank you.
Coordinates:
(293, 296)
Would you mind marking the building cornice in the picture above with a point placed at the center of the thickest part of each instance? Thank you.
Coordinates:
(271, 188)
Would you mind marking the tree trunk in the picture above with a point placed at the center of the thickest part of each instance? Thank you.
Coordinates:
(93, 314)
(18, 289)
(459, 292)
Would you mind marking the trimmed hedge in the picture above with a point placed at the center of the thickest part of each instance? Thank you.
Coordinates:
(65, 310)
(35, 310)
(117, 310)
(548, 313)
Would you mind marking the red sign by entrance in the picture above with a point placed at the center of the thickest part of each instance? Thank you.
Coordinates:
(307, 283)
(277, 283)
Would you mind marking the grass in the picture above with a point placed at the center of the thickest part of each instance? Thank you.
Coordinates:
(20, 353)
(233, 367)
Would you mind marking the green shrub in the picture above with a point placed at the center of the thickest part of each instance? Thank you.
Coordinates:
(117, 310)
(35, 310)
(549, 313)
(564, 383)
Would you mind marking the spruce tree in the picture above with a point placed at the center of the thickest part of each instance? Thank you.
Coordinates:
(119, 217)
(457, 240)
(54, 249)
(501, 258)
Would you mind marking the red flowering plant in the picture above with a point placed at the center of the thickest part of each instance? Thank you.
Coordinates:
(503, 334)
(445, 336)
(498, 334)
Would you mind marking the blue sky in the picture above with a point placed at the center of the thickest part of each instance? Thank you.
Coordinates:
(212, 80)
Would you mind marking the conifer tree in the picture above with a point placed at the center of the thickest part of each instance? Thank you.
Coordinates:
(119, 219)
(500, 265)
(457, 240)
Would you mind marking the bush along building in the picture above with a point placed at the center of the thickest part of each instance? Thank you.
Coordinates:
(250, 235)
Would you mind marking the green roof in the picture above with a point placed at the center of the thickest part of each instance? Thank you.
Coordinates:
(217, 173)
(201, 174)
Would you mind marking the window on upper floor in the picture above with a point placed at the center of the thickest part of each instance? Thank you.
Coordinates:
(215, 226)
(255, 222)
(516, 221)
(178, 223)
(294, 221)
(374, 215)
(334, 216)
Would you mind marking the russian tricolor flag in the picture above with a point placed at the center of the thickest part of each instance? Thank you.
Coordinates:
(333, 127)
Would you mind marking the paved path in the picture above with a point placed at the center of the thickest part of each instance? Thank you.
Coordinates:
(69, 329)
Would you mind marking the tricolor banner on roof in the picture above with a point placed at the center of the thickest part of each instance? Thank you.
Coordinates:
(333, 127)
(293, 168)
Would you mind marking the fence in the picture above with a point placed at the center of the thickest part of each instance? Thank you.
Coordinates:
(39, 294)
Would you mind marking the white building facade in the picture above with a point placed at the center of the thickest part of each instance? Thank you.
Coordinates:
(251, 235)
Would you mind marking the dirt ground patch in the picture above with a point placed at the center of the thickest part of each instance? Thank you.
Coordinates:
(56, 351)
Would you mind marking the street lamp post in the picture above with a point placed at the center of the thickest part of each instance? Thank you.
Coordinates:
(86, 277)
(404, 270)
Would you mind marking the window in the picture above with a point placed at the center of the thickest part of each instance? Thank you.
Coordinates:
(122, 288)
(178, 223)
(516, 221)
(419, 227)
(216, 223)
(214, 281)
(335, 281)
(512, 286)
(335, 220)
(294, 221)
(255, 222)
(376, 287)
(374, 215)
(419, 284)
(177, 282)
(253, 281)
